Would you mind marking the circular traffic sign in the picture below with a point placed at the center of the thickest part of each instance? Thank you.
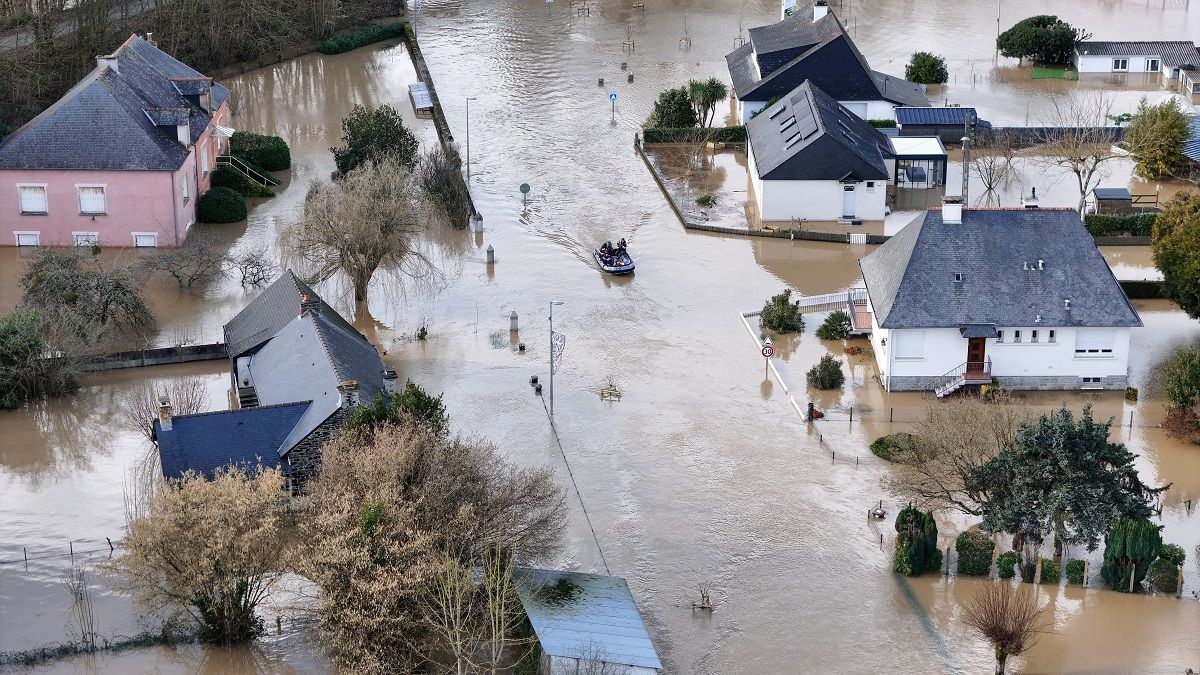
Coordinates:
(768, 349)
(524, 188)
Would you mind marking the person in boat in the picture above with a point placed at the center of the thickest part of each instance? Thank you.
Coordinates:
(621, 246)
(606, 248)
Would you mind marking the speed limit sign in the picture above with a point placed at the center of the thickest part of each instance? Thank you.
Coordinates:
(768, 349)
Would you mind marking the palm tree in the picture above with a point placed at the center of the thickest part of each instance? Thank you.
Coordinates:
(1009, 618)
(705, 95)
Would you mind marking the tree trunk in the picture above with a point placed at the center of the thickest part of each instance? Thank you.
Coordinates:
(360, 289)
(1001, 657)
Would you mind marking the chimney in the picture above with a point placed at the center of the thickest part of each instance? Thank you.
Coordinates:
(309, 306)
(389, 381)
(183, 133)
(820, 9)
(110, 61)
(952, 208)
(349, 392)
(150, 39)
(1030, 202)
(164, 414)
(1067, 304)
(1041, 265)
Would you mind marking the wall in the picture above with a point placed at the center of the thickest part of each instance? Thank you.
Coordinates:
(562, 665)
(1104, 64)
(185, 208)
(747, 108)
(137, 201)
(871, 110)
(816, 199)
(303, 462)
(216, 146)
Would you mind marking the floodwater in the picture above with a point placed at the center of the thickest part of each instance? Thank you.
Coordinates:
(701, 473)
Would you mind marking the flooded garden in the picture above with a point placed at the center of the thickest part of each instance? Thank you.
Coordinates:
(701, 473)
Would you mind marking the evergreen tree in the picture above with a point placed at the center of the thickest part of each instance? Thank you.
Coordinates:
(1176, 247)
(1043, 38)
(1131, 547)
(374, 134)
(673, 110)
(926, 68)
(916, 549)
(1156, 137)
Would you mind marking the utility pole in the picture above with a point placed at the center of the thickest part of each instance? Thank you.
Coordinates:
(968, 128)
(469, 99)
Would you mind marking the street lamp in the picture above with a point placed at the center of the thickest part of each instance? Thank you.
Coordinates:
(552, 304)
(469, 99)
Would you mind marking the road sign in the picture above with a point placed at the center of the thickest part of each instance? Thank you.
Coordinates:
(768, 349)
(613, 97)
(524, 188)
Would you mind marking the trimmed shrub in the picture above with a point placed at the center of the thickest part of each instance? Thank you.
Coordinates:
(883, 446)
(974, 550)
(1075, 570)
(1129, 549)
(366, 35)
(827, 374)
(1050, 573)
(782, 315)
(1164, 572)
(694, 135)
(883, 124)
(1129, 225)
(268, 152)
(1006, 564)
(237, 181)
(1131, 394)
(221, 205)
(673, 109)
(836, 326)
(926, 68)
(916, 549)
(1143, 289)
(935, 560)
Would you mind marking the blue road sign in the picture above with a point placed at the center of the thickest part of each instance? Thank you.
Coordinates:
(613, 97)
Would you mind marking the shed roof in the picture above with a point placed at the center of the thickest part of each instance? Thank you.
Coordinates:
(245, 438)
(121, 118)
(917, 146)
(1113, 193)
(421, 99)
(577, 615)
(910, 278)
(1173, 53)
(273, 309)
(809, 136)
(930, 116)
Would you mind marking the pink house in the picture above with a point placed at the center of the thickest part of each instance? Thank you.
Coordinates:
(119, 160)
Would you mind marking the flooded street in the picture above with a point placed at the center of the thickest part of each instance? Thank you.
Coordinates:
(701, 473)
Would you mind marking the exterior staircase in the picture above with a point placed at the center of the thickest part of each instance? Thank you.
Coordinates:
(245, 169)
(247, 397)
(971, 372)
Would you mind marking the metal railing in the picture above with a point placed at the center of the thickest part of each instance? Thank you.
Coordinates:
(958, 376)
(244, 169)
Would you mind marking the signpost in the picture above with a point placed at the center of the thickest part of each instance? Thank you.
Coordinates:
(768, 350)
(524, 194)
(613, 98)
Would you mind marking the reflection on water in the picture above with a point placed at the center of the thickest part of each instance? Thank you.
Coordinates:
(701, 472)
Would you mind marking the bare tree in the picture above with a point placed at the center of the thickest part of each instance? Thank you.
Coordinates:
(992, 163)
(367, 220)
(254, 266)
(1077, 136)
(82, 293)
(81, 616)
(592, 659)
(441, 177)
(198, 261)
(448, 610)
(139, 407)
(958, 437)
(1008, 617)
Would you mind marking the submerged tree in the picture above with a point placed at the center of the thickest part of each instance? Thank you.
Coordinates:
(82, 292)
(376, 135)
(673, 110)
(1043, 38)
(1156, 137)
(369, 219)
(1076, 137)
(992, 163)
(440, 171)
(1008, 617)
(139, 407)
(1130, 549)
(781, 314)
(25, 371)
(926, 68)
(705, 95)
(1176, 247)
(917, 549)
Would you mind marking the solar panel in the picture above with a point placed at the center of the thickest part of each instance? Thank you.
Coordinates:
(805, 116)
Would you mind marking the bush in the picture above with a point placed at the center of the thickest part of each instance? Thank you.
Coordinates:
(268, 152)
(237, 181)
(1156, 138)
(883, 446)
(974, 550)
(1129, 549)
(363, 36)
(1181, 377)
(1075, 571)
(1173, 554)
(412, 405)
(1164, 572)
(694, 135)
(935, 560)
(673, 110)
(827, 374)
(1131, 394)
(374, 134)
(1128, 225)
(836, 326)
(1006, 564)
(926, 68)
(782, 315)
(916, 549)
(1050, 573)
(706, 200)
(221, 205)
(883, 124)
(1182, 423)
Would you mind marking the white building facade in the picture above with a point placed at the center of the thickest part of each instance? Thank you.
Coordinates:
(817, 199)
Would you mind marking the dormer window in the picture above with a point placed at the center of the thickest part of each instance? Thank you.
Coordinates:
(958, 277)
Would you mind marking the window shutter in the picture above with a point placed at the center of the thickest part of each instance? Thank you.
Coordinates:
(33, 199)
(1094, 340)
(91, 200)
(909, 344)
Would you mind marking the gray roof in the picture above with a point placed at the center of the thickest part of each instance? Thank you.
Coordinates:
(1191, 148)
(1112, 193)
(273, 309)
(246, 438)
(121, 119)
(306, 360)
(809, 136)
(1173, 53)
(778, 57)
(910, 278)
(589, 616)
(939, 116)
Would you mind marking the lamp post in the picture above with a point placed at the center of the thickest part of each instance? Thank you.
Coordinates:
(469, 99)
(552, 304)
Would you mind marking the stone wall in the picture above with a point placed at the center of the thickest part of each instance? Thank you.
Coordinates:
(304, 460)
(1015, 383)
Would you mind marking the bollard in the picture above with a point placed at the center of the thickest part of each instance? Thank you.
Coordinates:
(1130, 419)
(600, 82)
(491, 257)
(25, 552)
(630, 78)
(512, 321)
(110, 545)
(891, 414)
(852, 416)
(624, 66)
(537, 389)
(533, 379)
(521, 347)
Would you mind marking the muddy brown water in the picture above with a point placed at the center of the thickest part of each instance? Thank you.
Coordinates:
(701, 473)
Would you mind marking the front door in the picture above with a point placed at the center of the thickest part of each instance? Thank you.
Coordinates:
(975, 357)
(848, 201)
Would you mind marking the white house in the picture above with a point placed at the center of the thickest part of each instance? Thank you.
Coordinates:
(585, 623)
(1174, 61)
(1022, 295)
(810, 158)
(811, 44)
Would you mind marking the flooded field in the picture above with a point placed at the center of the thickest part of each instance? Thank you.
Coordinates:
(701, 473)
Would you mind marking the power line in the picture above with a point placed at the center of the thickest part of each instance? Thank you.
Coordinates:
(578, 495)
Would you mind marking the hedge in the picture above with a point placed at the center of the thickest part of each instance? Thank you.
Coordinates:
(974, 550)
(882, 447)
(1075, 571)
(694, 135)
(1131, 225)
(268, 152)
(237, 181)
(1006, 564)
(222, 205)
(882, 124)
(363, 36)
(1049, 571)
(1143, 289)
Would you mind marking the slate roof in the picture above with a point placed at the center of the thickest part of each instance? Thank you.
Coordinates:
(119, 119)
(809, 136)
(597, 620)
(273, 309)
(1172, 53)
(246, 438)
(1112, 193)
(1191, 147)
(929, 116)
(910, 278)
(306, 360)
(778, 57)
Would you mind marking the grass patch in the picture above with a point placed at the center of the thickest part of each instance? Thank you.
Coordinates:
(1044, 73)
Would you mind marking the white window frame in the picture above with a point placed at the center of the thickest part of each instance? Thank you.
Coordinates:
(103, 196)
(1016, 336)
(999, 336)
(1033, 336)
(144, 234)
(184, 188)
(45, 197)
(85, 238)
(915, 336)
(1157, 65)
(1052, 338)
(1120, 65)
(870, 186)
(37, 237)
(204, 158)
